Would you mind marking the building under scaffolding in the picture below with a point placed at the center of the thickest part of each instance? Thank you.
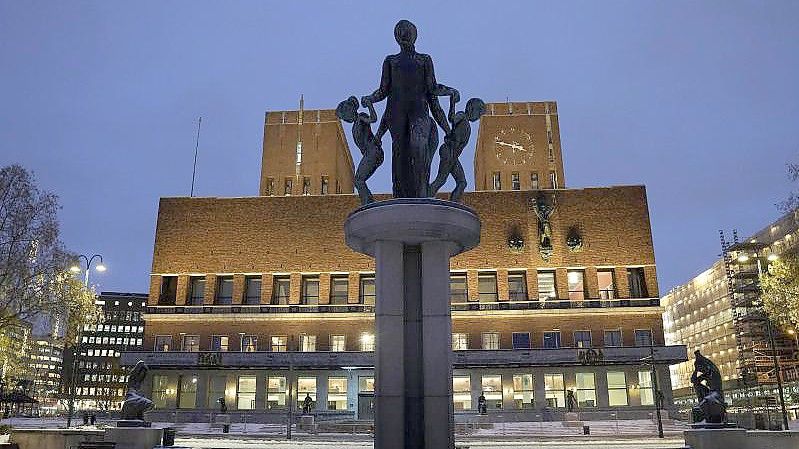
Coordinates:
(719, 313)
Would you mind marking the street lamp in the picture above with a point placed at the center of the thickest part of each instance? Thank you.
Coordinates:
(77, 268)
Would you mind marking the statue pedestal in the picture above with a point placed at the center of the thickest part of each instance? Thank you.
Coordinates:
(134, 437)
(412, 241)
(722, 438)
(572, 419)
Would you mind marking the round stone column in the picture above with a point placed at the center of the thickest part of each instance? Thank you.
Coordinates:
(412, 241)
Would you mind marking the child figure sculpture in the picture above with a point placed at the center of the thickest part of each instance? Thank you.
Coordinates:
(454, 143)
(365, 140)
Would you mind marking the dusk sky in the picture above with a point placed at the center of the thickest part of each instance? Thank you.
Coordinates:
(699, 101)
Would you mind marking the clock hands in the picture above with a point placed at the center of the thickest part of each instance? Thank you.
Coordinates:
(514, 145)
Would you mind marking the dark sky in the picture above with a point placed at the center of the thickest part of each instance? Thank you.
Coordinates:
(697, 100)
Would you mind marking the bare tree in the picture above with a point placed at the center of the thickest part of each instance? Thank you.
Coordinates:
(792, 202)
(34, 277)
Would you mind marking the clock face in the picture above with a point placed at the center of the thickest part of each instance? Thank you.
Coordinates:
(513, 146)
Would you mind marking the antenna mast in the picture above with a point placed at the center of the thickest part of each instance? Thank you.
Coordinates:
(196, 147)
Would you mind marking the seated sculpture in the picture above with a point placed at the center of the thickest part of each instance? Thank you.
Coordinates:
(706, 380)
(135, 402)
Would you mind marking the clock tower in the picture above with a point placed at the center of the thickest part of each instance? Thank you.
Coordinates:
(518, 147)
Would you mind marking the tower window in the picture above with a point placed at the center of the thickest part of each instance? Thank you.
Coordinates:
(270, 186)
(534, 181)
(515, 183)
(287, 187)
(325, 185)
(496, 181)
(306, 186)
(553, 180)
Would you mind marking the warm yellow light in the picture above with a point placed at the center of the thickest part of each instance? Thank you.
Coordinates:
(100, 268)
(743, 258)
(791, 331)
(772, 257)
(74, 269)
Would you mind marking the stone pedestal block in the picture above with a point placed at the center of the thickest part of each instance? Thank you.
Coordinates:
(53, 438)
(412, 241)
(134, 437)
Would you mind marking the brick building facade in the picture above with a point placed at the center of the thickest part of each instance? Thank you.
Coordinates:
(260, 301)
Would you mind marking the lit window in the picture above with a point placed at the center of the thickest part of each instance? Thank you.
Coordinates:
(276, 392)
(523, 391)
(460, 342)
(607, 288)
(245, 393)
(367, 342)
(492, 391)
(279, 343)
(491, 340)
(546, 286)
(191, 343)
(554, 390)
(187, 397)
(576, 285)
(645, 388)
(586, 390)
(462, 392)
(617, 388)
(249, 343)
(306, 387)
(338, 343)
(160, 390)
(219, 342)
(307, 343)
(337, 393)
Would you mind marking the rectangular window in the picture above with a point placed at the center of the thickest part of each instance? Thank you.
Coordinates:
(279, 343)
(367, 342)
(307, 343)
(163, 343)
(224, 290)
(187, 397)
(458, 288)
(645, 387)
(287, 186)
(517, 286)
(169, 290)
(521, 340)
(496, 181)
(191, 343)
(643, 337)
(552, 339)
(523, 391)
(216, 389)
(160, 389)
(515, 183)
(462, 392)
(245, 393)
(366, 384)
(252, 290)
(576, 285)
(338, 187)
(613, 337)
(338, 343)
(553, 180)
(491, 340)
(325, 185)
(460, 341)
(306, 387)
(281, 290)
(582, 339)
(219, 343)
(617, 388)
(554, 390)
(635, 279)
(270, 186)
(196, 290)
(546, 286)
(339, 290)
(337, 393)
(306, 186)
(310, 290)
(276, 392)
(607, 288)
(492, 390)
(586, 390)
(534, 181)
(487, 287)
(249, 343)
(368, 290)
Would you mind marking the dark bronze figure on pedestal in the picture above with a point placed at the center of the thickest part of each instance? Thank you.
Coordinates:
(707, 383)
(136, 403)
(408, 84)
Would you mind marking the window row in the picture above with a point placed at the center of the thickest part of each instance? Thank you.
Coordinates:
(249, 343)
(288, 186)
(123, 341)
(113, 328)
(551, 339)
(516, 181)
(487, 288)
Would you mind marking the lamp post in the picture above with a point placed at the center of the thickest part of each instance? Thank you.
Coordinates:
(77, 268)
(650, 361)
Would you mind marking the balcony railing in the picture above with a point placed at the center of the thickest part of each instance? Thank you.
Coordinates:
(461, 359)
(370, 308)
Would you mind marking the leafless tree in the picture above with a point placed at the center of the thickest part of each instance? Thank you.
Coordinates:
(792, 202)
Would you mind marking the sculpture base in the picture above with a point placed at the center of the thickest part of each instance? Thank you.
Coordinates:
(134, 437)
(741, 439)
(133, 423)
(412, 241)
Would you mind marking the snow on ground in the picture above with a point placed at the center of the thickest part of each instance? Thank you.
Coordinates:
(214, 443)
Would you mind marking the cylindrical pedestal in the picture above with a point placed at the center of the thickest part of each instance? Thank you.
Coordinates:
(412, 241)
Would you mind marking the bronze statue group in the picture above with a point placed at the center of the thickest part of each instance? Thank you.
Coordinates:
(409, 86)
